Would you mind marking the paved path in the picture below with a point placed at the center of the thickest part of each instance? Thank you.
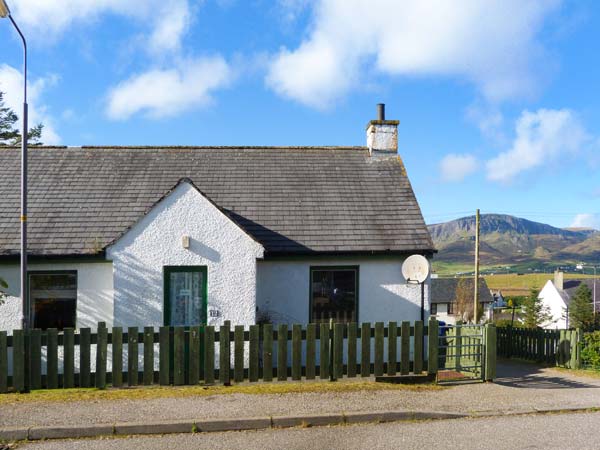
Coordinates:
(558, 431)
(519, 388)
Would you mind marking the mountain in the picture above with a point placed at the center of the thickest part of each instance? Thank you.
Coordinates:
(512, 240)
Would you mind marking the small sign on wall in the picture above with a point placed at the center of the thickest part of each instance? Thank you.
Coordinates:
(214, 314)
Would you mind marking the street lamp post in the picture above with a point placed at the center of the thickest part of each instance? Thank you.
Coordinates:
(5, 12)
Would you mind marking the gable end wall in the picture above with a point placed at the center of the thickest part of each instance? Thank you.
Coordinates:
(156, 241)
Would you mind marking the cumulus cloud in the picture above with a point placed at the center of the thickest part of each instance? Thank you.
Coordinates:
(541, 137)
(11, 83)
(585, 220)
(491, 44)
(162, 93)
(167, 20)
(489, 119)
(455, 167)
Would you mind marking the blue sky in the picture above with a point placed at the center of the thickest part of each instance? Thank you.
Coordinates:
(498, 100)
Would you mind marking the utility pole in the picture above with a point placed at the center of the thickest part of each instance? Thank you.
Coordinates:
(476, 282)
(594, 293)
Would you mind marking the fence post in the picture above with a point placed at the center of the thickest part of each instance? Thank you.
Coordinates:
(432, 346)
(490, 352)
(19, 360)
(3, 362)
(575, 349)
(117, 356)
(224, 354)
(101, 346)
(365, 349)
(338, 351)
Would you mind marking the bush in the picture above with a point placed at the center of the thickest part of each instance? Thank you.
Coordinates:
(3, 286)
(590, 354)
(503, 323)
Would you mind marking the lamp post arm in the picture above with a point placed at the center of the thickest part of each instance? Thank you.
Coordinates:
(24, 57)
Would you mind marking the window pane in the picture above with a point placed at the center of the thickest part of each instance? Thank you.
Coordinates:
(334, 295)
(186, 297)
(53, 299)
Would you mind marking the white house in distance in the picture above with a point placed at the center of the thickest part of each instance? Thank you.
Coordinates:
(556, 295)
(151, 236)
(443, 299)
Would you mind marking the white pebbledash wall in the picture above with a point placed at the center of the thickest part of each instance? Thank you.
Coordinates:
(156, 241)
(283, 289)
(94, 292)
(551, 298)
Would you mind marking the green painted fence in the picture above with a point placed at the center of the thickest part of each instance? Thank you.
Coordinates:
(186, 356)
(560, 347)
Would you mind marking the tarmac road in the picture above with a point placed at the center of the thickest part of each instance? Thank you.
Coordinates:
(542, 431)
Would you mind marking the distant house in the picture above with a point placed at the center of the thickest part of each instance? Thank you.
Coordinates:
(499, 300)
(443, 298)
(152, 236)
(557, 294)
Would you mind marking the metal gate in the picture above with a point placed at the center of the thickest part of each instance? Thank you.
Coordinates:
(461, 352)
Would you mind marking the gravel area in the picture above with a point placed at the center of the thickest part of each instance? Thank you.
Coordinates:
(519, 387)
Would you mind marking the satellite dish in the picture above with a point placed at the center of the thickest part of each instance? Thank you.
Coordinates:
(415, 269)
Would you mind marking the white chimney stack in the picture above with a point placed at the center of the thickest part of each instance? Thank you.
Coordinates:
(382, 135)
(559, 280)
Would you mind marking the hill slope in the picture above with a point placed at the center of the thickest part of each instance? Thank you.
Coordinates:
(511, 240)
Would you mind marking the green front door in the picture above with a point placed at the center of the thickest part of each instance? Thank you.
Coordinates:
(185, 295)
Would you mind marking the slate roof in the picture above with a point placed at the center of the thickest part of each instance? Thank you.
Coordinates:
(443, 290)
(293, 200)
(570, 287)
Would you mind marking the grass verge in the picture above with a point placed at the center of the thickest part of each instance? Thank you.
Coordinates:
(153, 392)
(589, 373)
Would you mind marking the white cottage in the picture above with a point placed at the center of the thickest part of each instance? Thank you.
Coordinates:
(140, 236)
(556, 295)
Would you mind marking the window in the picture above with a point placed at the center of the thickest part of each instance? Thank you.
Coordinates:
(450, 308)
(53, 297)
(334, 294)
(185, 294)
(433, 309)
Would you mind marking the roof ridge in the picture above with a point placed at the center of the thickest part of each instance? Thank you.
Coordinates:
(190, 147)
(225, 147)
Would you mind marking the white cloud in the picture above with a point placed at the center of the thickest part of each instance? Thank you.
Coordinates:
(455, 167)
(489, 119)
(541, 137)
(167, 20)
(585, 220)
(163, 93)
(491, 44)
(11, 83)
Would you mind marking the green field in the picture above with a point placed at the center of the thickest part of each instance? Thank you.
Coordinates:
(514, 284)
(509, 283)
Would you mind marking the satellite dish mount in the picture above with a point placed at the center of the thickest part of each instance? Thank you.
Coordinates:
(415, 270)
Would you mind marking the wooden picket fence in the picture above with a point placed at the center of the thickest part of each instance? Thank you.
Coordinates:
(560, 347)
(186, 355)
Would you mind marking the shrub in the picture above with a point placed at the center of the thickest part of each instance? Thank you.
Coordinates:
(503, 323)
(3, 286)
(590, 354)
